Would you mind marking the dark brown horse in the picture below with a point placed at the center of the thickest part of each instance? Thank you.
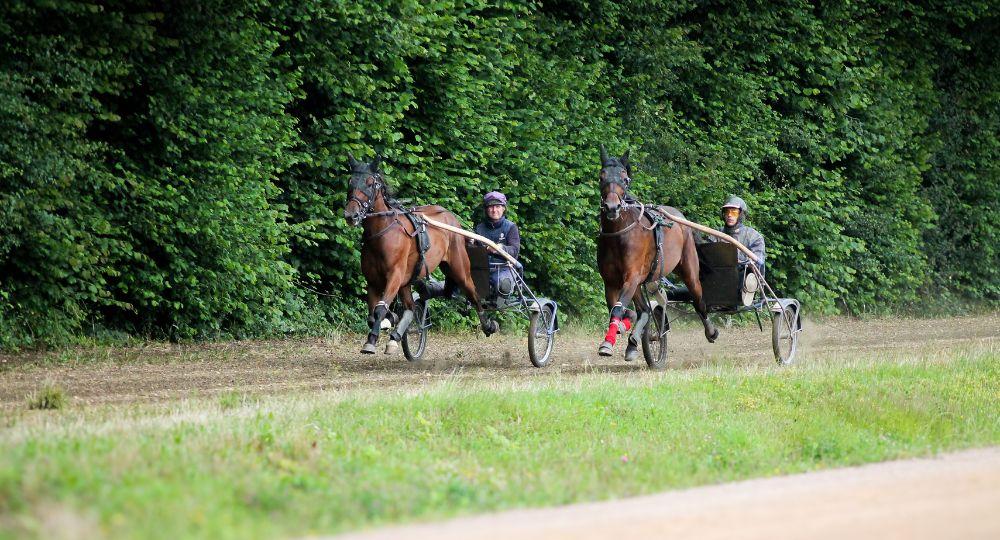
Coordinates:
(628, 254)
(391, 258)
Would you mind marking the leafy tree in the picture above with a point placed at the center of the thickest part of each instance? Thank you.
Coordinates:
(177, 169)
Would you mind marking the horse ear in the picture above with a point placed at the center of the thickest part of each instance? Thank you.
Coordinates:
(353, 162)
(604, 154)
(624, 159)
(377, 163)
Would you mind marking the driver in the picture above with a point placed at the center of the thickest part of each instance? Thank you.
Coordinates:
(503, 232)
(733, 212)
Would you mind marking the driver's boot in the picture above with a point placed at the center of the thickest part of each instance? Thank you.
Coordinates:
(431, 288)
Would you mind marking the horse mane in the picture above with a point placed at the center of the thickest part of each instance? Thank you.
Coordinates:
(390, 198)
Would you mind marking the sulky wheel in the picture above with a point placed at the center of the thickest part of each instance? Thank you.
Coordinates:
(415, 338)
(785, 334)
(540, 335)
(654, 339)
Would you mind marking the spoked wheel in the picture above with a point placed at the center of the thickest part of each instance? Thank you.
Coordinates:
(785, 335)
(654, 339)
(540, 335)
(415, 338)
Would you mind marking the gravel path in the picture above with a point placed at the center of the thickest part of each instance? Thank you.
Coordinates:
(951, 496)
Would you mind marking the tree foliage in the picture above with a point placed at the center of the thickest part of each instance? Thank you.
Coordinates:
(177, 169)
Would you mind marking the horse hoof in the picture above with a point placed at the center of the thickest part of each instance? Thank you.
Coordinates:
(713, 337)
(605, 349)
(369, 348)
(631, 353)
(491, 328)
(391, 347)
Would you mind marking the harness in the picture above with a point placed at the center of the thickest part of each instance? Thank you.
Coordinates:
(419, 233)
(658, 221)
(395, 210)
(423, 245)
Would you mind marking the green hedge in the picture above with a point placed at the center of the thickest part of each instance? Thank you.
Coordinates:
(177, 169)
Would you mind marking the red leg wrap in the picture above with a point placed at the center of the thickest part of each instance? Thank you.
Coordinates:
(612, 335)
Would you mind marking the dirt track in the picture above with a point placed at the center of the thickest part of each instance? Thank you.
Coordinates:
(953, 496)
(161, 372)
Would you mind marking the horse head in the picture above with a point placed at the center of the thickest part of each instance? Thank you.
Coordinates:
(364, 188)
(615, 182)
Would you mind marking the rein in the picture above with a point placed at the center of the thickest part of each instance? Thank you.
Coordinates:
(395, 221)
(395, 213)
(638, 220)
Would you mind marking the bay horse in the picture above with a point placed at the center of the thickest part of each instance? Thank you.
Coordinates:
(638, 244)
(398, 248)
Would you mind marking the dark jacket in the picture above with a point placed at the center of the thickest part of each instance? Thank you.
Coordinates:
(749, 237)
(503, 232)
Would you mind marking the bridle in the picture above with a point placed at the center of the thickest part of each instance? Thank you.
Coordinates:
(623, 182)
(624, 203)
(365, 207)
(369, 191)
(628, 203)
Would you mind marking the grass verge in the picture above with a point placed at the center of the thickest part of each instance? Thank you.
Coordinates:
(325, 463)
(48, 397)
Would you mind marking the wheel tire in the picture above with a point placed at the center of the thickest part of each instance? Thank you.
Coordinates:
(654, 339)
(784, 335)
(417, 332)
(540, 340)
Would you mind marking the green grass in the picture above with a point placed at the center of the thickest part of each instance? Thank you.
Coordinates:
(238, 466)
(47, 398)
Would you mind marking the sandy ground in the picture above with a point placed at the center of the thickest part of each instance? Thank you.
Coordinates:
(163, 372)
(952, 496)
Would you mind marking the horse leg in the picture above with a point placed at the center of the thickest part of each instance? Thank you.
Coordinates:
(621, 318)
(460, 275)
(630, 317)
(689, 274)
(405, 320)
(373, 324)
(449, 287)
(611, 292)
(381, 309)
(632, 351)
